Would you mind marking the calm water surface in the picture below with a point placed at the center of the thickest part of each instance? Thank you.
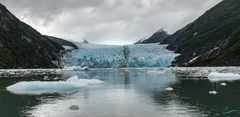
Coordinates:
(126, 93)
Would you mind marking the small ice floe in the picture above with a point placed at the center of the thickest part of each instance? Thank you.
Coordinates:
(77, 68)
(213, 92)
(48, 87)
(74, 107)
(216, 77)
(169, 89)
(223, 84)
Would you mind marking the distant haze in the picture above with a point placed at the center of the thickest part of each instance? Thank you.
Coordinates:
(115, 22)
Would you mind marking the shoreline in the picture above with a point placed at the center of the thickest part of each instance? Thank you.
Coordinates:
(181, 72)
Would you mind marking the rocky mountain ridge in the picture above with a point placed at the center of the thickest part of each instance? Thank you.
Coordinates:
(21, 46)
(205, 40)
(157, 37)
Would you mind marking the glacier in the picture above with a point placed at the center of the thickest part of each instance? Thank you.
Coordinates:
(116, 56)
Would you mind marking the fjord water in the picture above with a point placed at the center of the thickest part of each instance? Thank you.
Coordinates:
(125, 93)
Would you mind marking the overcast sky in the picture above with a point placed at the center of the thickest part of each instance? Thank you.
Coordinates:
(107, 21)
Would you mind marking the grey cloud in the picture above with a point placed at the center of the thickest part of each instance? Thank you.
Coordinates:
(107, 21)
(47, 10)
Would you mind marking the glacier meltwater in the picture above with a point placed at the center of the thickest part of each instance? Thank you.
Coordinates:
(113, 56)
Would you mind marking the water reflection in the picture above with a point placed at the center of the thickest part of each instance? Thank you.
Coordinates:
(15, 105)
(196, 94)
(123, 91)
(126, 93)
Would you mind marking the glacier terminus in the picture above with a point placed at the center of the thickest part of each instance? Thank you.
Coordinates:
(116, 56)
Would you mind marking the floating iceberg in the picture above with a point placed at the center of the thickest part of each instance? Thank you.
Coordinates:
(111, 56)
(41, 87)
(216, 76)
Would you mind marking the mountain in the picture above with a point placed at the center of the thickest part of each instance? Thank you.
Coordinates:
(157, 37)
(140, 41)
(21, 46)
(228, 54)
(62, 42)
(85, 41)
(208, 33)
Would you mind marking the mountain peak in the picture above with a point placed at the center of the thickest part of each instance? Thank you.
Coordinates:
(157, 37)
(85, 41)
(162, 30)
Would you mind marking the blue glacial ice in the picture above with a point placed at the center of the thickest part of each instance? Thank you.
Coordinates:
(46, 87)
(113, 56)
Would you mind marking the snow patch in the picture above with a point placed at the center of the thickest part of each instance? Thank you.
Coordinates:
(216, 77)
(214, 49)
(68, 47)
(193, 59)
(195, 34)
(43, 87)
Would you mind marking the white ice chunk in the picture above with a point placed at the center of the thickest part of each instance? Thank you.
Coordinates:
(223, 84)
(169, 89)
(75, 79)
(42, 87)
(213, 92)
(72, 79)
(216, 77)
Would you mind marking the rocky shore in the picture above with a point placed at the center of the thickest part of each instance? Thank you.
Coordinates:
(29, 72)
(201, 72)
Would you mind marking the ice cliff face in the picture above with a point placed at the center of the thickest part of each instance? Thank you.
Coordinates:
(109, 56)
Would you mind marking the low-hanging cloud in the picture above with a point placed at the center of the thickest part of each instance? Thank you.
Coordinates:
(107, 21)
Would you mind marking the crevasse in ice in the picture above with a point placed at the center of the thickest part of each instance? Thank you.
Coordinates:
(112, 56)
